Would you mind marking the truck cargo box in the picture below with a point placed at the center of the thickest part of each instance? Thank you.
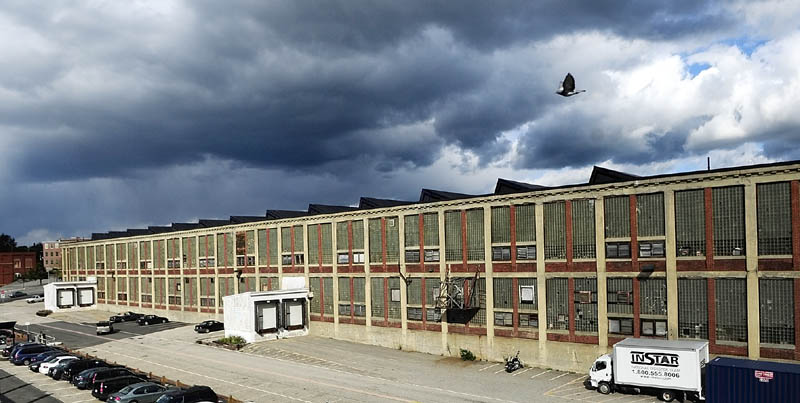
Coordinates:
(665, 364)
(731, 380)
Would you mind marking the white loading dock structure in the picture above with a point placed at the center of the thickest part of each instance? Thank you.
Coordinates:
(267, 315)
(70, 296)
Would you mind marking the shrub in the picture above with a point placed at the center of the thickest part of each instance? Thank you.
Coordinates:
(44, 312)
(232, 341)
(466, 355)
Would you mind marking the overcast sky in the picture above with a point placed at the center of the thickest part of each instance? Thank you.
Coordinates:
(123, 114)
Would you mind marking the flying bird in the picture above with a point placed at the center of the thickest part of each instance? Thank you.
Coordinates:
(567, 88)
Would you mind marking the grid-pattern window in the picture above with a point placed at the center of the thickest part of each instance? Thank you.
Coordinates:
(452, 236)
(392, 239)
(414, 298)
(298, 239)
(133, 289)
(376, 297)
(313, 244)
(226, 287)
(653, 296)
(262, 247)
(327, 245)
(475, 238)
(394, 298)
(359, 296)
(692, 308)
(173, 253)
(431, 295)
(110, 257)
(525, 223)
(555, 231)
(524, 303)
(190, 291)
(174, 291)
(159, 256)
(122, 256)
(620, 295)
(617, 216)
(100, 256)
(271, 283)
(690, 223)
(774, 218)
(133, 255)
(190, 252)
(247, 284)
(122, 290)
(480, 317)
(557, 303)
(728, 220)
(160, 290)
(342, 242)
(327, 292)
(111, 287)
(501, 224)
(344, 296)
(250, 247)
(101, 287)
(146, 289)
(358, 234)
(313, 286)
(430, 224)
(583, 243)
(776, 307)
(206, 247)
(503, 294)
(273, 246)
(207, 298)
(286, 240)
(90, 259)
(411, 230)
(731, 309)
(375, 242)
(81, 261)
(650, 214)
(585, 304)
(222, 260)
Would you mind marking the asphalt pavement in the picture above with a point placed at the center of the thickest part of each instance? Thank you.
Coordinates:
(15, 390)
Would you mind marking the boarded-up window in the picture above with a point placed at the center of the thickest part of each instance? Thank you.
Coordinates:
(650, 214)
(728, 220)
(620, 295)
(501, 224)
(475, 237)
(430, 224)
(525, 222)
(313, 244)
(690, 223)
(411, 230)
(586, 304)
(617, 216)
(583, 243)
(555, 235)
(452, 236)
(375, 241)
(692, 308)
(327, 243)
(653, 296)
(776, 308)
(731, 309)
(557, 303)
(774, 218)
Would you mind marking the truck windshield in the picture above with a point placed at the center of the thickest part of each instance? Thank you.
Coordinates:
(599, 365)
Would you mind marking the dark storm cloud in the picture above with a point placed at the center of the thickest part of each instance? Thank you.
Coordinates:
(291, 84)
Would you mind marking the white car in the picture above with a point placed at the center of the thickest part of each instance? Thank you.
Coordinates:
(35, 298)
(47, 365)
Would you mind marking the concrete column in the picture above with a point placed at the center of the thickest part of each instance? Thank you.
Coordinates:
(487, 253)
(751, 250)
(335, 296)
(602, 293)
(305, 250)
(279, 253)
(367, 285)
(541, 284)
(401, 227)
(672, 266)
(442, 270)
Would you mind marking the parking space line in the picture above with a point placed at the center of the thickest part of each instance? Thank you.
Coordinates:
(618, 397)
(488, 366)
(558, 376)
(542, 373)
(523, 371)
(499, 370)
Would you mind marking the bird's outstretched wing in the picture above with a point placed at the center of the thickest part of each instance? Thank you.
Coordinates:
(569, 83)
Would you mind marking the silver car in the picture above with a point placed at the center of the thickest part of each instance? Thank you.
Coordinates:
(105, 327)
(142, 392)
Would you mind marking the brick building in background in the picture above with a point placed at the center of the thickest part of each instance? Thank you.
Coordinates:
(13, 264)
(51, 252)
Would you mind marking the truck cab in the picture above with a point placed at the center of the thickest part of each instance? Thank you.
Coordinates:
(600, 374)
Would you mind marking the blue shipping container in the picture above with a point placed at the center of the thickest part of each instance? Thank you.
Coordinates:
(730, 380)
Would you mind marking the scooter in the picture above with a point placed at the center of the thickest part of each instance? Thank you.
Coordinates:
(513, 363)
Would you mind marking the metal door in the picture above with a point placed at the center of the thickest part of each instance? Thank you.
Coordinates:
(267, 313)
(294, 314)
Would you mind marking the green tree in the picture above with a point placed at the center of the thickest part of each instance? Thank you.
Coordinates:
(7, 243)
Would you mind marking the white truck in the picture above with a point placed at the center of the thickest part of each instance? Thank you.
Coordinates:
(666, 368)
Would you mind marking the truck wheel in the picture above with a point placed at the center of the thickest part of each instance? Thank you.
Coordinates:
(667, 395)
(604, 388)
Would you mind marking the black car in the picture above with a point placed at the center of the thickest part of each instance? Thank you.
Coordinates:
(106, 387)
(125, 317)
(191, 395)
(9, 349)
(209, 326)
(151, 319)
(18, 294)
(102, 374)
(74, 367)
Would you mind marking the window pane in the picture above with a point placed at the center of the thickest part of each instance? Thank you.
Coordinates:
(392, 239)
(650, 214)
(262, 247)
(692, 308)
(411, 230)
(298, 239)
(776, 307)
(375, 241)
(653, 296)
(342, 242)
(358, 234)
(286, 240)
(731, 309)
(313, 244)
(452, 233)
(377, 296)
(501, 224)
(557, 304)
(503, 293)
(617, 216)
(431, 227)
(620, 295)
(327, 246)
(728, 220)
(583, 243)
(475, 237)
(690, 223)
(774, 218)
(273, 246)
(555, 237)
(586, 304)
(525, 222)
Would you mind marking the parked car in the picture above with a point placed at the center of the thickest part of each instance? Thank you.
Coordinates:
(73, 368)
(44, 357)
(142, 392)
(106, 387)
(105, 327)
(125, 317)
(18, 294)
(35, 298)
(194, 394)
(8, 350)
(209, 326)
(23, 355)
(151, 319)
(83, 377)
(47, 365)
(58, 369)
(100, 374)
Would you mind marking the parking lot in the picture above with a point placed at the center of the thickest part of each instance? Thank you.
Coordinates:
(304, 369)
